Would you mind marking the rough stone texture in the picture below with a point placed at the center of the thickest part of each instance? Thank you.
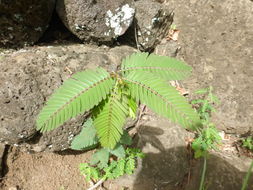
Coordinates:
(152, 23)
(29, 76)
(224, 172)
(216, 39)
(2, 149)
(167, 48)
(97, 21)
(22, 22)
(166, 161)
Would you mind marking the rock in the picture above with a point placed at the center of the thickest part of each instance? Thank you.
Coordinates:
(221, 55)
(13, 188)
(29, 76)
(23, 22)
(2, 149)
(151, 25)
(96, 21)
(166, 161)
(223, 172)
(167, 48)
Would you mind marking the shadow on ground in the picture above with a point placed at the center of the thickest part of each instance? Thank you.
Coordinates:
(170, 169)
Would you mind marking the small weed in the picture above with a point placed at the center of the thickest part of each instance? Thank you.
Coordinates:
(247, 177)
(248, 143)
(99, 168)
(208, 137)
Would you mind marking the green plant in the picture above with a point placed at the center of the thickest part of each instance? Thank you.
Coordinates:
(207, 137)
(115, 168)
(112, 97)
(247, 177)
(248, 143)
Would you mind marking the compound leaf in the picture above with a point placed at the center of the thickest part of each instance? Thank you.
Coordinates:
(110, 119)
(100, 158)
(130, 165)
(133, 106)
(126, 138)
(118, 151)
(162, 98)
(78, 94)
(87, 138)
(89, 172)
(119, 170)
(162, 66)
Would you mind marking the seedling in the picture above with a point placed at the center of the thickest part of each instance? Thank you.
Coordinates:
(208, 137)
(248, 143)
(115, 168)
(111, 98)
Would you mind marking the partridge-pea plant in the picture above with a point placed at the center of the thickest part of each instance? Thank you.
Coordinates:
(112, 97)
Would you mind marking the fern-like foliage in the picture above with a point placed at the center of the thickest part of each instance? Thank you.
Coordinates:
(87, 138)
(162, 98)
(78, 94)
(162, 66)
(113, 97)
(110, 119)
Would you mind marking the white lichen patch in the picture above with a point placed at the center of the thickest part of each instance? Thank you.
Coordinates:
(18, 17)
(121, 20)
(155, 20)
(79, 27)
(107, 33)
(149, 27)
(38, 29)
(70, 137)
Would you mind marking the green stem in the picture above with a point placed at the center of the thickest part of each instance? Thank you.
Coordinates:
(201, 186)
(246, 178)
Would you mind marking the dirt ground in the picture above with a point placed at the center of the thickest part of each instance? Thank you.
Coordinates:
(43, 171)
(216, 39)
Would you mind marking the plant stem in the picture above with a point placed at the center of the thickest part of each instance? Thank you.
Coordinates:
(246, 178)
(97, 184)
(201, 186)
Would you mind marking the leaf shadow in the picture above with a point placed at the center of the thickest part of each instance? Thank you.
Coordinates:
(174, 168)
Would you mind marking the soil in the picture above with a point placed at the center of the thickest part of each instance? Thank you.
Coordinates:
(216, 39)
(43, 171)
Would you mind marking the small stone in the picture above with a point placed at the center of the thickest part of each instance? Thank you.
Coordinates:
(13, 188)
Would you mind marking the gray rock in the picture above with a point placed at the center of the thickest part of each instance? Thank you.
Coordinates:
(153, 22)
(221, 55)
(29, 76)
(167, 48)
(23, 22)
(2, 149)
(97, 21)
